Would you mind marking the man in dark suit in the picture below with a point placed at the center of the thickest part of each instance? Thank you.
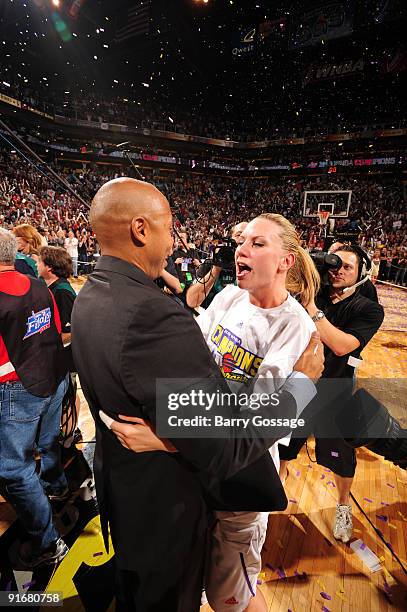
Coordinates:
(125, 334)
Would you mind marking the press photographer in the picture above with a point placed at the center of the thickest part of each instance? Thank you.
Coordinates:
(215, 274)
(346, 321)
(186, 259)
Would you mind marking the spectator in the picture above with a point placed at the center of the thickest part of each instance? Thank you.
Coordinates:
(32, 385)
(71, 245)
(29, 242)
(55, 267)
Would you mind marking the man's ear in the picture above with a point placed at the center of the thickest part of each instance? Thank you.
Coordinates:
(287, 261)
(139, 230)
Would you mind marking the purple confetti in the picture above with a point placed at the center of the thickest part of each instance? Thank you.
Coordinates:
(362, 546)
(390, 485)
(382, 517)
(259, 582)
(325, 609)
(302, 576)
(368, 500)
(326, 470)
(334, 454)
(27, 585)
(323, 476)
(384, 504)
(390, 546)
(98, 554)
(270, 566)
(281, 573)
(298, 473)
(331, 483)
(325, 595)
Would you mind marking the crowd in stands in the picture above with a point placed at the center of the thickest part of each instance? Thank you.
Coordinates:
(207, 206)
(104, 107)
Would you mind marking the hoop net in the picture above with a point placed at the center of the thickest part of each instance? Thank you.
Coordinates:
(323, 216)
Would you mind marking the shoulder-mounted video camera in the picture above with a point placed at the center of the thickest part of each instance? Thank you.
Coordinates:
(324, 263)
(224, 255)
(327, 262)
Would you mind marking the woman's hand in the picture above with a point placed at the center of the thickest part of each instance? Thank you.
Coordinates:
(138, 435)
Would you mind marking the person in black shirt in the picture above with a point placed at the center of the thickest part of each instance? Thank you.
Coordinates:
(168, 278)
(55, 266)
(346, 321)
(367, 289)
(212, 278)
(186, 261)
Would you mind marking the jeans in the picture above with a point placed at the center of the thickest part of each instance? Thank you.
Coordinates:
(75, 266)
(401, 273)
(83, 266)
(27, 421)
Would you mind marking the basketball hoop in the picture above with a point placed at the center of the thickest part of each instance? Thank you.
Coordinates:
(323, 216)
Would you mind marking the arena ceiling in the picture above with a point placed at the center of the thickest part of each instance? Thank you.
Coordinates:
(188, 56)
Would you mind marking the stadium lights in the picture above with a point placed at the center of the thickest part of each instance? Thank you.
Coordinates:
(55, 3)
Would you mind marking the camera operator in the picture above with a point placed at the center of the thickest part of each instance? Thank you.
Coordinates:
(186, 260)
(211, 281)
(346, 321)
(367, 289)
(168, 280)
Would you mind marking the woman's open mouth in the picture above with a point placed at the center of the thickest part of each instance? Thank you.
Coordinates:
(242, 270)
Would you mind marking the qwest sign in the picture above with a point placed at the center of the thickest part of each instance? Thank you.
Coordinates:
(243, 41)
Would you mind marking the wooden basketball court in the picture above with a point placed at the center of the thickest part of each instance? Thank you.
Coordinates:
(304, 568)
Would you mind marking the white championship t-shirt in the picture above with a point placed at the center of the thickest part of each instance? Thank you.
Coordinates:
(248, 341)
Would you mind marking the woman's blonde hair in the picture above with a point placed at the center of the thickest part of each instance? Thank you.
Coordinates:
(302, 278)
(30, 235)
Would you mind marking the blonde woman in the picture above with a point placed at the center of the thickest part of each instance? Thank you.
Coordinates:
(267, 330)
(29, 242)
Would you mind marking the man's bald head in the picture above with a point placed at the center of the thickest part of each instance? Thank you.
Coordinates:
(118, 202)
(132, 221)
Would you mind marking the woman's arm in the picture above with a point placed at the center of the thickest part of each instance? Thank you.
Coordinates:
(138, 436)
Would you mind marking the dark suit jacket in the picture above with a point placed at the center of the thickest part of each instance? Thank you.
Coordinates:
(125, 334)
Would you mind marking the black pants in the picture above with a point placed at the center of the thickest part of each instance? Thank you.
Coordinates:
(323, 418)
(172, 588)
(333, 454)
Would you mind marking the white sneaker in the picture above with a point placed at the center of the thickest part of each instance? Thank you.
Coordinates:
(343, 524)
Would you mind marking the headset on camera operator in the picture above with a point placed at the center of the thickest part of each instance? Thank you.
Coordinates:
(216, 273)
(346, 321)
(366, 287)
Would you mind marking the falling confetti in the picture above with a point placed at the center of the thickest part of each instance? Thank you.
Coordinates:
(382, 517)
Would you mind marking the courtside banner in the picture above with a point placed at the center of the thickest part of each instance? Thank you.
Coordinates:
(9, 100)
